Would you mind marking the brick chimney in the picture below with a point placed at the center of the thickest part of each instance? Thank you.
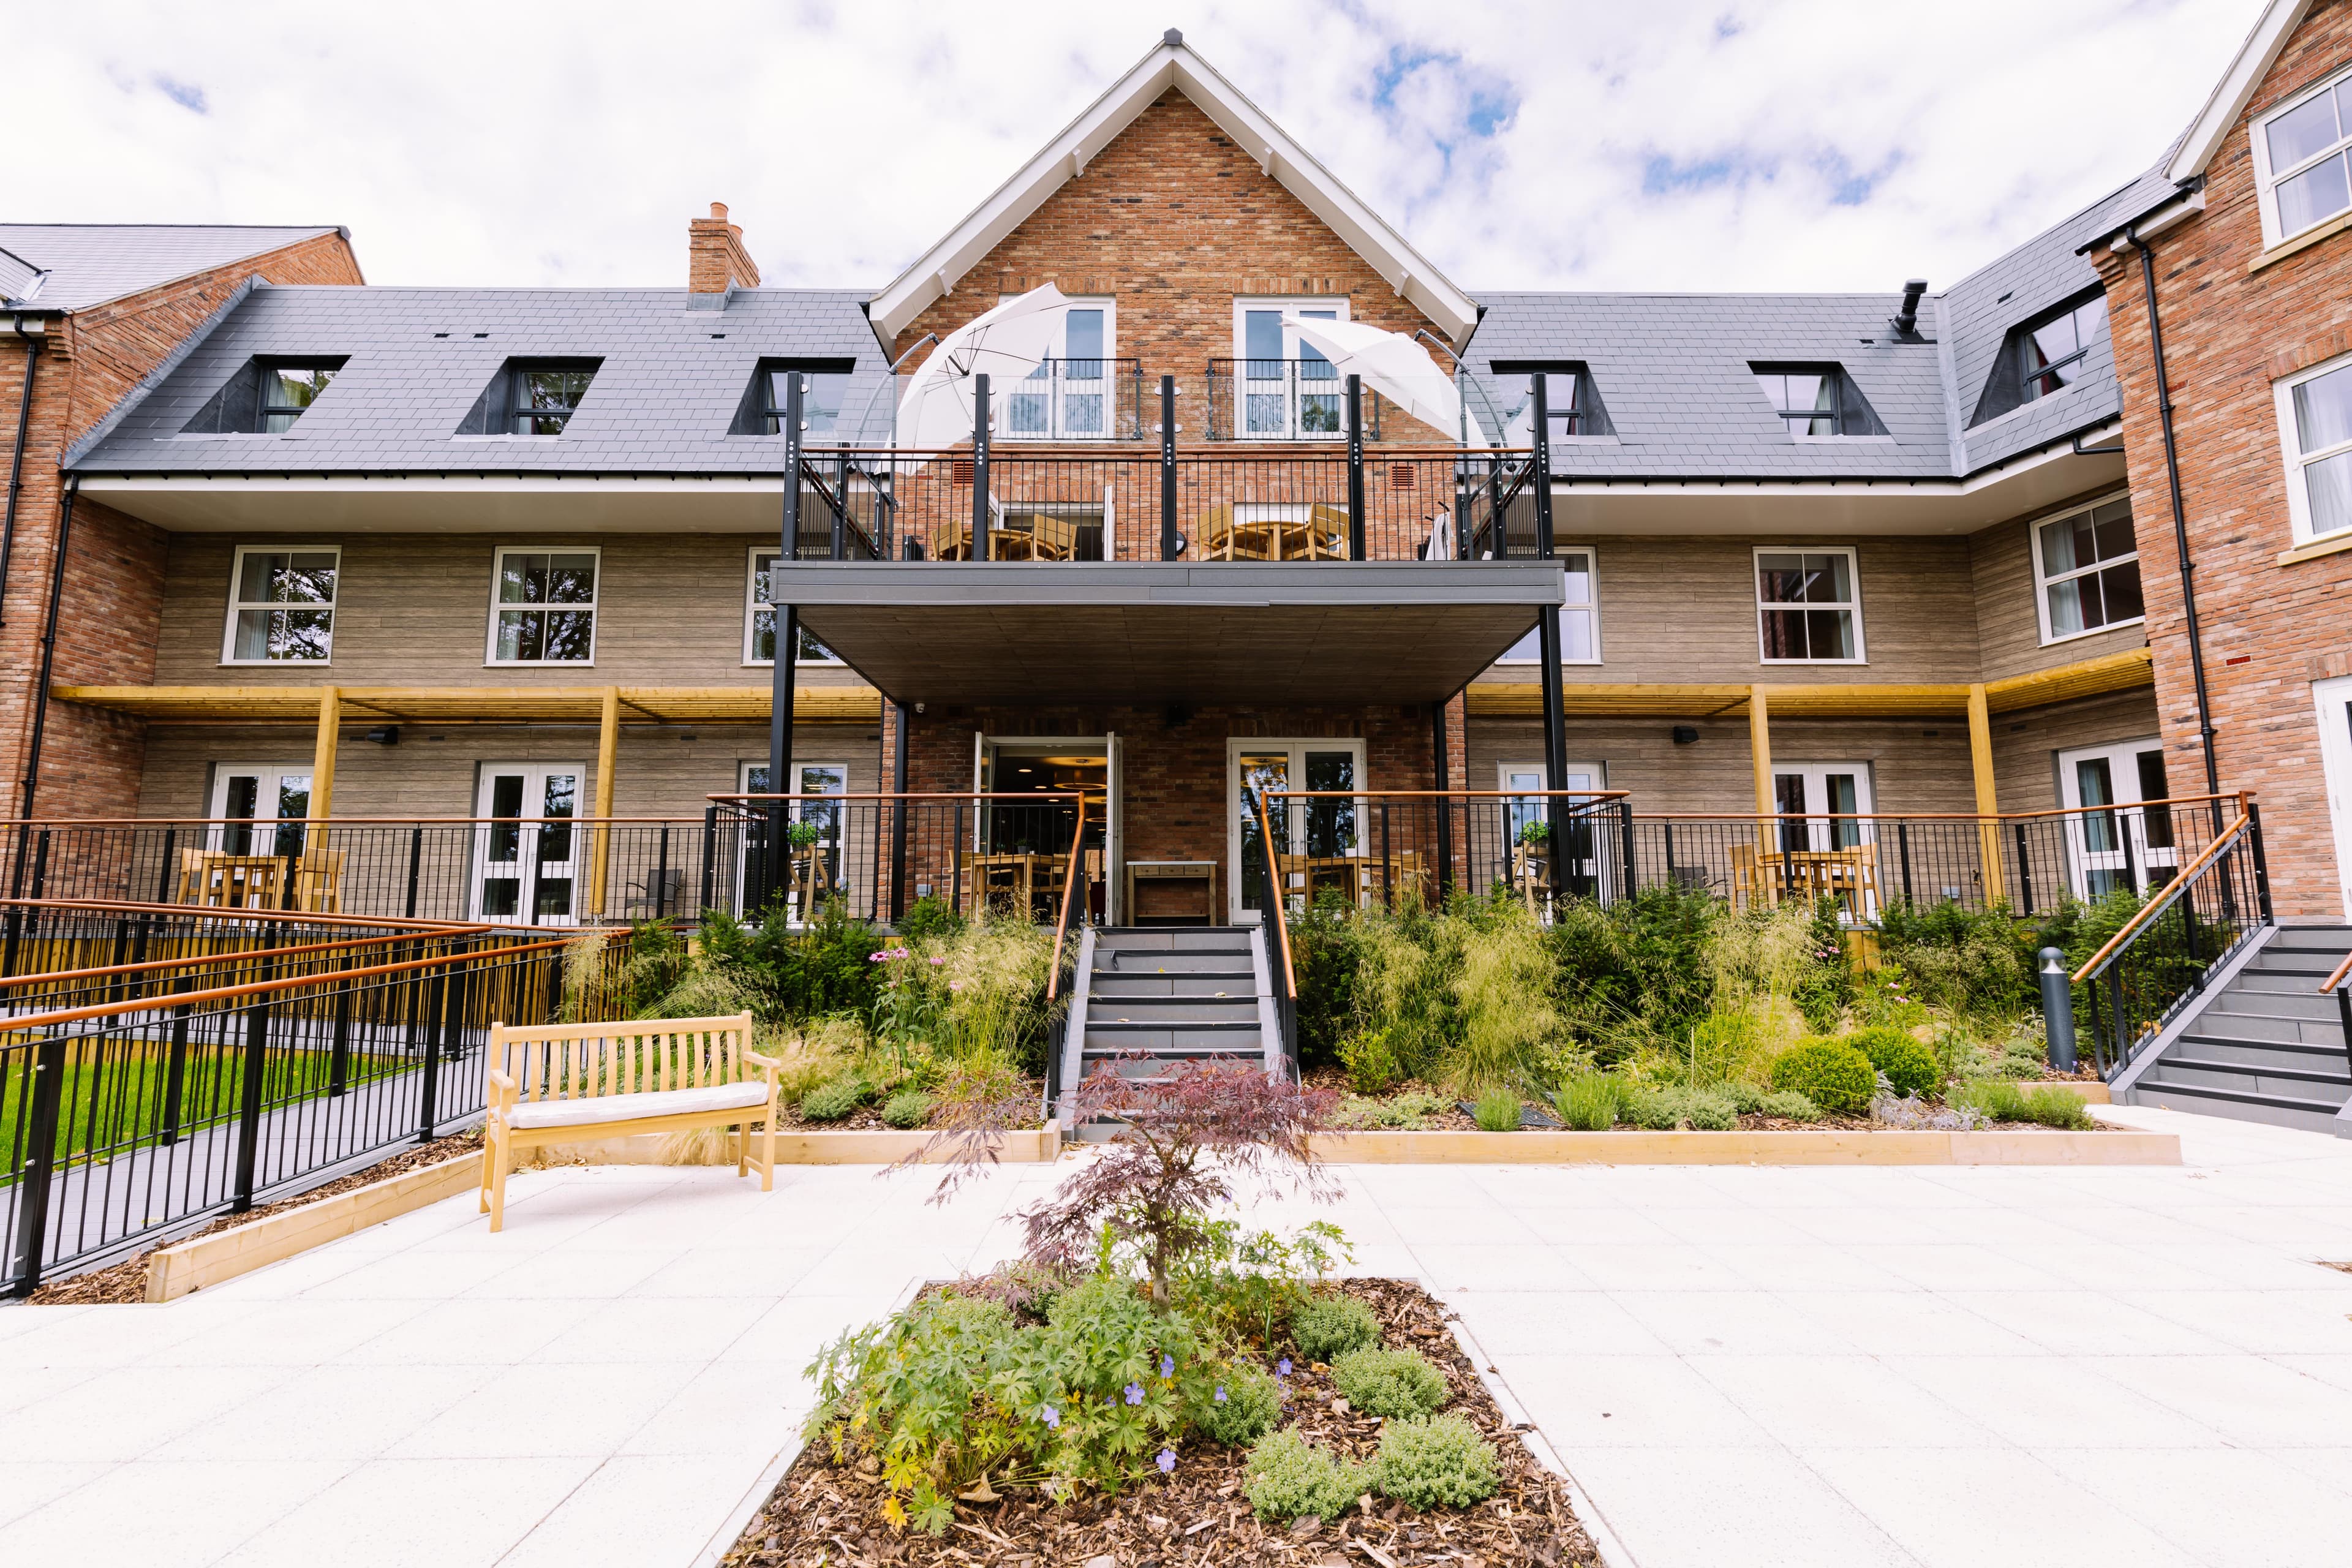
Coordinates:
(716, 261)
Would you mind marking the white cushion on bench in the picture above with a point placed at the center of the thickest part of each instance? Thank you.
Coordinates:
(603, 1108)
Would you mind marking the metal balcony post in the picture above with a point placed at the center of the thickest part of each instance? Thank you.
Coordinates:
(416, 865)
(898, 817)
(40, 1151)
(1626, 837)
(1355, 468)
(163, 888)
(709, 858)
(1555, 695)
(661, 877)
(2024, 872)
(1169, 544)
(1445, 804)
(785, 667)
(980, 549)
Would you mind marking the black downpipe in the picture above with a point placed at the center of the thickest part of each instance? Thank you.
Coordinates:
(2179, 522)
(16, 472)
(41, 691)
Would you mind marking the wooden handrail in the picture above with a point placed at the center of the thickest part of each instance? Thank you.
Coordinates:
(335, 823)
(261, 915)
(10, 982)
(11, 1025)
(1278, 914)
(2172, 891)
(1446, 794)
(2342, 971)
(1069, 885)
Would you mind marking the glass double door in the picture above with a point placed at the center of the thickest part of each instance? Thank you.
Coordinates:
(526, 845)
(1312, 806)
(815, 837)
(257, 808)
(1822, 805)
(1531, 839)
(2118, 843)
(1289, 391)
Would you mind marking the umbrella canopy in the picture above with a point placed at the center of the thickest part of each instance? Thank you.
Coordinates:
(1394, 366)
(1003, 344)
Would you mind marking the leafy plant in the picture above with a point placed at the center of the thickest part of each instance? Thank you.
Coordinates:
(1372, 1067)
(1246, 1282)
(1408, 1109)
(836, 1098)
(927, 918)
(1496, 1110)
(1380, 1382)
(909, 1108)
(1536, 832)
(1502, 989)
(1184, 1136)
(1329, 1327)
(800, 835)
(1910, 1068)
(1788, 1105)
(1666, 1107)
(1326, 951)
(1241, 1405)
(1591, 1102)
(1288, 1478)
(1105, 1384)
(1830, 1073)
(1437, 1462)
(2003, 1101)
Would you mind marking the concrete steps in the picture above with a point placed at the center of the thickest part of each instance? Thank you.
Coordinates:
(2266, 1046)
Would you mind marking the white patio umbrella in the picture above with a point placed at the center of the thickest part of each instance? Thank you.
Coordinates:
(1004, 344)
(1394, 366)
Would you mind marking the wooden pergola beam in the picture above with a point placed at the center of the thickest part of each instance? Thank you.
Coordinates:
(475, 704)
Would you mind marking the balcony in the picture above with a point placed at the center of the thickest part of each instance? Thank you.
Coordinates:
(1284, 400)
(1075, 400)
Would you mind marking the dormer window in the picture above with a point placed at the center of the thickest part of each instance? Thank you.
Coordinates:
(530, 397)
(1572, 403)
(265, 397)
(824, 385)
(1817, 401)
(2045, 356)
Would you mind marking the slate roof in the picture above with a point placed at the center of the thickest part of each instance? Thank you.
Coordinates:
(1672, 370)
(668, 387)
(74, 266)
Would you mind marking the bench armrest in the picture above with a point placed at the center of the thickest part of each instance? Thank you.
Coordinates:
(503, 1091)
(769, 1064)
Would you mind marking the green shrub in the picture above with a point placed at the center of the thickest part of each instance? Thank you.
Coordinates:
(1496, 1110)
(1668, 1106)
(930, 916)
(836, 1098)
(1408, 1109)
(1710, 1113)
(1789, 1106)
(1437, 1462)
(2003, 1101)
(909, 1108)
(1330, 1327)
(1591, 1102)
(1287, 1477)
(1638, 970)
(1909, 1066)
(1979, 964)
(1241, 1405)
(1390, 1382)
(1745, 1096)
(1830, 1073)
(1327, 952)
(1372, 1067)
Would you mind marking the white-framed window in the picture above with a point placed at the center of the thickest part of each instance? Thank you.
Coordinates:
(2314, 415)
(543, 606)
(281, 606)
(759, 619)
(1808, 607)
(1073, 395)
(2086, 564)
(1283, 387)
(1579, 616)
(2301, 153)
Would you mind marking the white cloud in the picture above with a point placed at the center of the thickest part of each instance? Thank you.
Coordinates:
(1692, 144)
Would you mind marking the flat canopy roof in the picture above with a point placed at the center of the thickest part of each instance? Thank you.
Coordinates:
(1325, 633)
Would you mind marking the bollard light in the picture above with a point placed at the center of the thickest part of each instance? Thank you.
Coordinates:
(2058, 1009)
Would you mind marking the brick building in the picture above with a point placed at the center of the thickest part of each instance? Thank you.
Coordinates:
(1866, 565)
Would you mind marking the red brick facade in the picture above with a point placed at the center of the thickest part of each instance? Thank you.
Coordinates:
(90, 761)
(2235, 321)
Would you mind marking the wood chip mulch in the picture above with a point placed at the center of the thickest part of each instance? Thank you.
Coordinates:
(824, 1514)
(125, 1282)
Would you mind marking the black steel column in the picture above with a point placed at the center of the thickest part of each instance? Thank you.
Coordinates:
(39, 1149)
(1355, 468)
(899, 815)
(1555, 696)
(1169, 546)
(979, 518)
(787, 661)
(1445, 804)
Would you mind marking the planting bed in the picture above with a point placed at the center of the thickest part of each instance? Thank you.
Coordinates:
(821, 1512)
(868, 1118)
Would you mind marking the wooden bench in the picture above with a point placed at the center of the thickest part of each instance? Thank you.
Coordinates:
(567, 1083)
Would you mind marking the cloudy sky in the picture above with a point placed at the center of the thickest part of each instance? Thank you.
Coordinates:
(1582, 143)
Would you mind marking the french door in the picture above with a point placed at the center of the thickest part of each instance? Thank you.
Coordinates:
(1327, 833)
(2116, 845)
(1584, 849)
(526, 847)
(1289, 392)
(1817, 803)
(2335, 700)
(814, 832)
(257, 808)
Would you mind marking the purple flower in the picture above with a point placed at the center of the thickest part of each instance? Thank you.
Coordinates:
(1167, 1461)
(1221, 1394)
(1052, 1417)
(873, 958)
(1281, 1367)
(1135, 1394)
(1167, 1366)
(936, 961)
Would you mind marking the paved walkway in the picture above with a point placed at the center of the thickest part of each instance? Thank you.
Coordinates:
(1929, 1366)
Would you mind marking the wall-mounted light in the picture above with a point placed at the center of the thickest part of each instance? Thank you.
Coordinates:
(385, 734)
(1685, 734)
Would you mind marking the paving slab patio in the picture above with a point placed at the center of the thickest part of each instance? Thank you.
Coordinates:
(1906, 1365)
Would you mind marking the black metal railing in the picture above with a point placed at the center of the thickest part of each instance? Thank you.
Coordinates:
(203, 1085)
(1389, 849)
(1268, 894)
(1289, 400)
(2192, 923)
(2340, 983)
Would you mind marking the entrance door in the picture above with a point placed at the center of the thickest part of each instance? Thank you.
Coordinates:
(1315, 840)
(814, 834)
(2335, 698)
(1289, 392)
(526, 850)
(245, 794)
(1584, 869)
(1817, 801)
(1025, 846)
(2112, 844)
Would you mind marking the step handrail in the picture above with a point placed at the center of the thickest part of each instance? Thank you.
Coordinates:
(2173, 890)
(1069, 889)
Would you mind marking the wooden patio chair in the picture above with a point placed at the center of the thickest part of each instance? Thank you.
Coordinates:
(216, 879)
(318, 882)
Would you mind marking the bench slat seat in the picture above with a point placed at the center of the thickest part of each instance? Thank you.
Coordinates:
(550, 1082)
